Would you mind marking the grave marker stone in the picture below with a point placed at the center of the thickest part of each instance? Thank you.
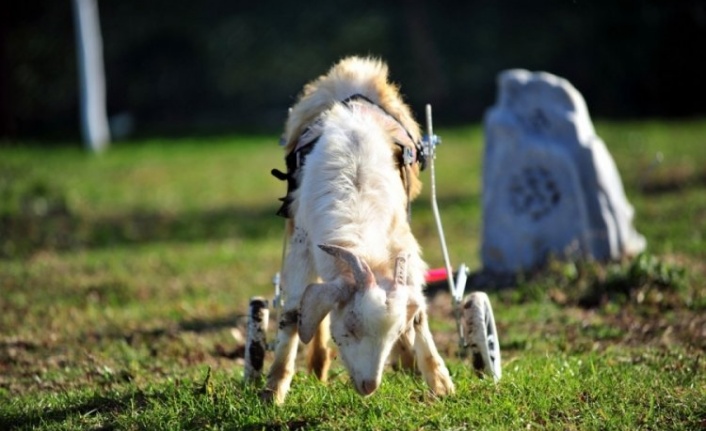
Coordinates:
(550, 186)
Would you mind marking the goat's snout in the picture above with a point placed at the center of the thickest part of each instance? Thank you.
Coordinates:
(367, 387)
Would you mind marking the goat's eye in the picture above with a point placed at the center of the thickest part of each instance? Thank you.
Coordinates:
(353, 326)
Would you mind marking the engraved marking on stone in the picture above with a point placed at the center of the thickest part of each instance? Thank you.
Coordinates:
(537, 121)
(534, 192)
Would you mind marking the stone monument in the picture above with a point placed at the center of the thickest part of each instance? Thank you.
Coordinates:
(550, 186)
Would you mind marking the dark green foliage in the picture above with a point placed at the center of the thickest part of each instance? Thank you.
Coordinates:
(218, 64)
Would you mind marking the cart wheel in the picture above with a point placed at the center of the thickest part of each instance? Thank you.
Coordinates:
(481, 335)
(256, 344)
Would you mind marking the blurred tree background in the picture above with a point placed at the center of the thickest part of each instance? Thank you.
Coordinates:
(177, 66)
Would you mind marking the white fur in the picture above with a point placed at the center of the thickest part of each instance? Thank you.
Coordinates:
(351, 196)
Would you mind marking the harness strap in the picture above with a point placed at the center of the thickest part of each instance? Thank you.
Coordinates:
(293, 161)
(413, 153)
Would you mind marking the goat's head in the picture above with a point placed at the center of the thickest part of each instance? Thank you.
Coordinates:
(366, 317)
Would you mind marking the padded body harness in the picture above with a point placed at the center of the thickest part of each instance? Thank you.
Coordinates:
(411, 151)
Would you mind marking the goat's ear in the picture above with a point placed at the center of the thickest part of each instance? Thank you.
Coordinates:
(318, 301)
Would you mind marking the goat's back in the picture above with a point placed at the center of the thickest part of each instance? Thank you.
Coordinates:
(351, 192)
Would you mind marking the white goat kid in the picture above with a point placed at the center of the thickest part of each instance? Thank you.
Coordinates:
(349, 227)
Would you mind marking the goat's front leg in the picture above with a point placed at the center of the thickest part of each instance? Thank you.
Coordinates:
(402, 357)
(282, 370)
(296, 275)
(428, 359)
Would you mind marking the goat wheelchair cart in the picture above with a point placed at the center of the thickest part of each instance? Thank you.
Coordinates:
(475, 323)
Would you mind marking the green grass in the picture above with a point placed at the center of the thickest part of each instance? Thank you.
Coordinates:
(122, 276)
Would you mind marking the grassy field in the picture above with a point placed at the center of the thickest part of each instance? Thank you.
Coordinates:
(124, 279)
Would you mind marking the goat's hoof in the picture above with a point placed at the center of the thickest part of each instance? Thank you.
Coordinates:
(443, 387)
(271, 396)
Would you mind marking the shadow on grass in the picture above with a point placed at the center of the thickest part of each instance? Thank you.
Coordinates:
(673, 180)
(198, 326)
(45, 222)
(56, 228)
(96, 405)
(204, 404)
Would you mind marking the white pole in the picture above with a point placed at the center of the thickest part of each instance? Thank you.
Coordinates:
(455, 290)
(89, 44)
(434, 205)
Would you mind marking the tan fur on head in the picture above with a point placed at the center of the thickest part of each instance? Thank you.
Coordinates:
(352, 75)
